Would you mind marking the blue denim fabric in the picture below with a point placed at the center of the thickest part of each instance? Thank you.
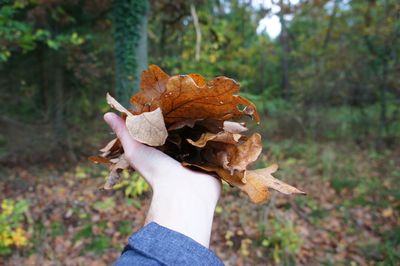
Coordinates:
(157, 245)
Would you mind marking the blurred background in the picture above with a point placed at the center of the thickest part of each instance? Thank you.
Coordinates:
(324, 74)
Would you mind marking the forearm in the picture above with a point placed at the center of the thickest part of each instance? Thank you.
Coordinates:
(189, 213)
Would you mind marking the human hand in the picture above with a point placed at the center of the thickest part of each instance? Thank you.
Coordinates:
(183, 200)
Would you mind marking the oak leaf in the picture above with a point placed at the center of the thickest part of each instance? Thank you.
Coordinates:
(152, 86)
(254, 183)
(246, 153)
(190, 97)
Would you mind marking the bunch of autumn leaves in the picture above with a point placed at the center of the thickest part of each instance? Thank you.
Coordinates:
(195, 122)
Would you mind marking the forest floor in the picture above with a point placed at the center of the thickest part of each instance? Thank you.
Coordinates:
(351, 215)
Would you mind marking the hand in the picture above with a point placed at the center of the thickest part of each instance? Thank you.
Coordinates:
(183, 200)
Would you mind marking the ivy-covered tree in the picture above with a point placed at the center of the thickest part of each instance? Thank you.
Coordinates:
(130, 33)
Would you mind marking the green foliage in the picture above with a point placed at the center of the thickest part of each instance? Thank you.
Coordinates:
(25, 36)
(84, 233)
(106, 205)
(99, 244)
(11, 232)
(134, 185)
(282, 239)
(125, 227)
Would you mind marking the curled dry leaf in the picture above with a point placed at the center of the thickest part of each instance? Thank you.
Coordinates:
(224, 137)
(234, 157)
(254, 183)
(147, 127)
(234, 127)
(203, 130)
(246, 153)
(119, 164)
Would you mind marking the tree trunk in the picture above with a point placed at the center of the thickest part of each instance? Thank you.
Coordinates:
(198, 31)
(130, 33)
(283, 39)
(141, 53)
(57, 102)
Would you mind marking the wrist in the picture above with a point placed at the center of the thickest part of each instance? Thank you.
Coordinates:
(188, 212)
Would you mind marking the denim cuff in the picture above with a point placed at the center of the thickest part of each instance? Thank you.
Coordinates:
(169, 247)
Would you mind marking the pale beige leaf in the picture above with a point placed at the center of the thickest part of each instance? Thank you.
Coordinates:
(116, 105)
(234, 127)
(148, 128)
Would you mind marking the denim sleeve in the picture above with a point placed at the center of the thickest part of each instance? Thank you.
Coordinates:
(157, 245)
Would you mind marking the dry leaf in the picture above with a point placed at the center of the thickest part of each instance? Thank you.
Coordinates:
(148, 127)
(99, 159)
(184, 99)
(224, 137)
(111, 147)
(246, 153)
(254, 183)
(184, 123)
(116, 105)
(201, 133)
(234, 127)
(190, 97)
(119, 165)
(152, 86)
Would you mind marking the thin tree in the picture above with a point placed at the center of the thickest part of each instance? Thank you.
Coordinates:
(130, 34)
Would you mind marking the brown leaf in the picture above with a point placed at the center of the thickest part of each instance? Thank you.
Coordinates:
(190, 97)
(234, 180)
(246, 153)
(152, 86)
(111, 147)
(254, 187)
(224, 137)
(119, 165)
(99, 159)
(198, 79)
(266, 175)
(250, 109)
(184, 99)
(184, 123)
(254, 183)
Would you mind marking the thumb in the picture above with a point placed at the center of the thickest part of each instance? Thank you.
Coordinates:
(141, 157)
